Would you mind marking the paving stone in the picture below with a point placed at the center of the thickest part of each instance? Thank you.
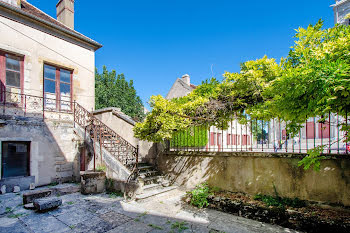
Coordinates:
(132, 227)
(11, 225)
(47, 203)
(30, 196)
(114, 218)
(75, 216)
(43, 222)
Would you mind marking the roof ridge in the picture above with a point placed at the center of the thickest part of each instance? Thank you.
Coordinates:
(61, 24)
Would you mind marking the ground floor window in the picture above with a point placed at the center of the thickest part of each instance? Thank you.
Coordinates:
(15, 159)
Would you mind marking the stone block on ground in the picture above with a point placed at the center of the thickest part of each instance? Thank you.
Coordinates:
(65, 189)
(3, 189)
(29, 206)
(22, 182)
(47, 203)
(93, 182)
(32, 186)
(29, 197)
(16, 189)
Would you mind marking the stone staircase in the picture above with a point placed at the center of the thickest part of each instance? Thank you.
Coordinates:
(153, 183)
(121, 156)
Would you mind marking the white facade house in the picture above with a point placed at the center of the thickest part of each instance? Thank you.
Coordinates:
(341, 10)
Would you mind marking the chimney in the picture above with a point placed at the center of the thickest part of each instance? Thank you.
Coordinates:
(186, 79)
(65, 12)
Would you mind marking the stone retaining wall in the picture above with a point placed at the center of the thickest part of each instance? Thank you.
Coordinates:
(254, 173)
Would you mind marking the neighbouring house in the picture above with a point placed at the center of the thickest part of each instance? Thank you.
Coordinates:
(341, 9)
(45, 67)
(236, 137)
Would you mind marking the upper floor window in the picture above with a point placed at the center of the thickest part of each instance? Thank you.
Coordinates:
(57, 87)
(11, 70)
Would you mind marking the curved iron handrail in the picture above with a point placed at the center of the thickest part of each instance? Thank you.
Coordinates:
(115, 144)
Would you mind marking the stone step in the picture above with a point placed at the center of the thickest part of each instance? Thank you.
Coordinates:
(154, 192)
(148, 173)
(145, 167)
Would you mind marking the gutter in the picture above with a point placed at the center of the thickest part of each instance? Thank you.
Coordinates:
(74, 34)
(339, 3)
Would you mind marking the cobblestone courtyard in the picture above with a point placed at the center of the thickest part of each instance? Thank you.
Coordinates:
(105, 213)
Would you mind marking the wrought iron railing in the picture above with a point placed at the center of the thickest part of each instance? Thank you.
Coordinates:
(19, 104)
(265, 136)
(24, 105)
(107, 138)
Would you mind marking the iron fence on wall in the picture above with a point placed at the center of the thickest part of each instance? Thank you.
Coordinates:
(265, 136)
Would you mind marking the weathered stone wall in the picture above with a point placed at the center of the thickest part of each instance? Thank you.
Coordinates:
(254, 173)
(147, 150)
(54, 147)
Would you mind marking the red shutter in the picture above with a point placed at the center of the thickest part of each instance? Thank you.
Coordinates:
(323, 130)
(228, 140)
(310, 130)
(212, 139)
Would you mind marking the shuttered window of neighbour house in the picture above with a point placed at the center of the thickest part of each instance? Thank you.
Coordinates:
(57, 88)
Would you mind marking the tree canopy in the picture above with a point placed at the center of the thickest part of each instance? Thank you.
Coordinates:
(313, 80)
(114, 90)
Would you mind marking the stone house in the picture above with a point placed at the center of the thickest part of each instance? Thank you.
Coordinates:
(45, 67)
(236, 137)
(341, 9)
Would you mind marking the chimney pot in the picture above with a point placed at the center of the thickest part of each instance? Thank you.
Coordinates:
(65, 12)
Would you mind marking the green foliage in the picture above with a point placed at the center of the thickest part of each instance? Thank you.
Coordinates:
(191, 137)
(313, 80)
(199, 195)
(115, 194)
(101, 168)
(114, 90)
(52, 184)
(154, 226)
(280, 202)
(313, 158)
(179, 226)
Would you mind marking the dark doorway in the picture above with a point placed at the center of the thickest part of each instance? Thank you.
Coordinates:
(15, 159)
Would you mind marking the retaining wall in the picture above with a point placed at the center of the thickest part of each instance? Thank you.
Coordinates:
(254, 173)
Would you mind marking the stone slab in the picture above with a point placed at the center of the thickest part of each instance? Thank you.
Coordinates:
(47, 203)
(22, 182)
(29, 197)
(64, 190)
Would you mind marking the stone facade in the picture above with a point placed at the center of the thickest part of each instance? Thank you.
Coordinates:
(39, 40)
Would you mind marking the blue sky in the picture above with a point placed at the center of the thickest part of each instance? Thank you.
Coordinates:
(153, 42)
